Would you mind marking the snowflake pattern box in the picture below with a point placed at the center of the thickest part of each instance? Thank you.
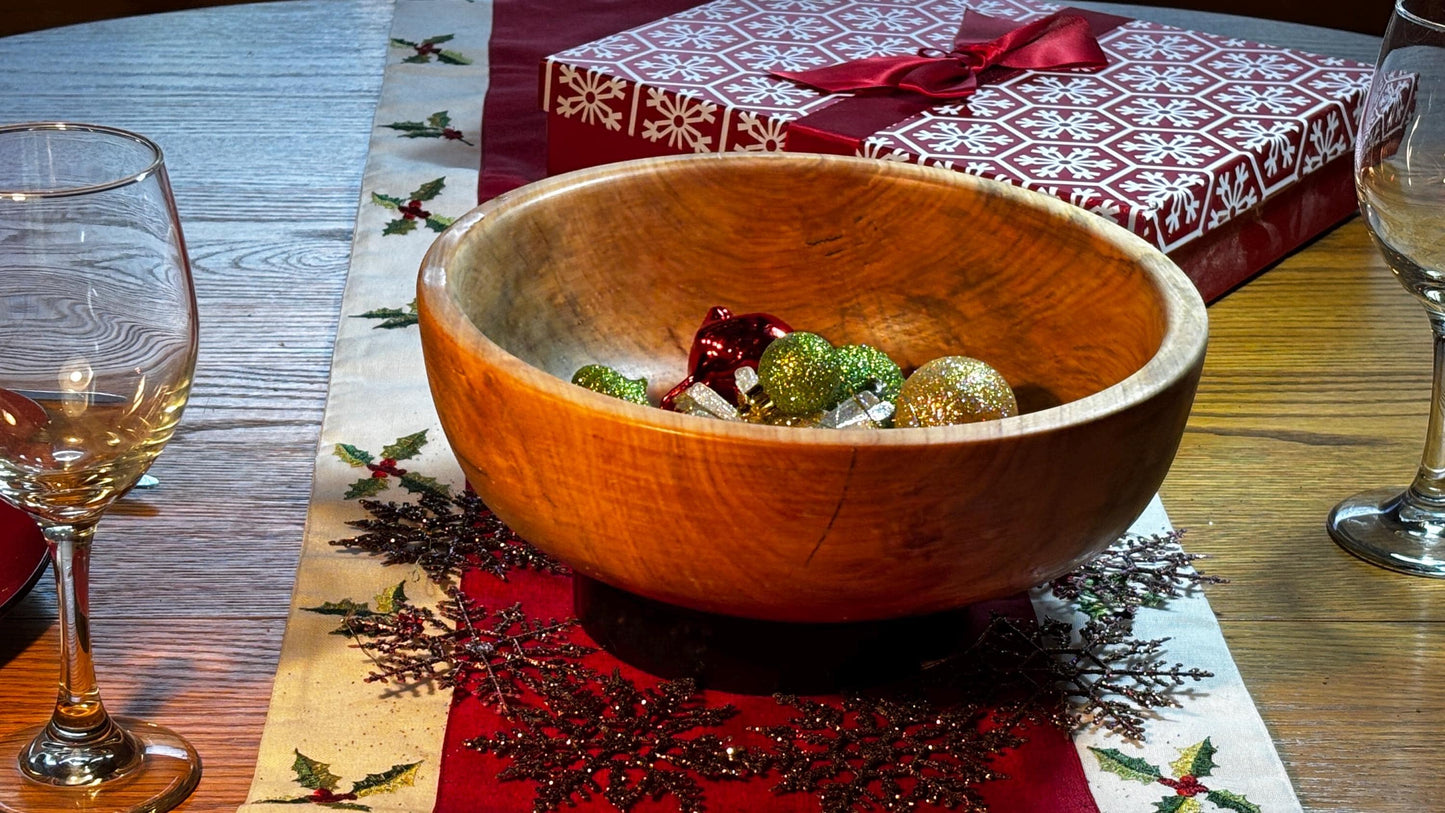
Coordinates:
(1227, 154)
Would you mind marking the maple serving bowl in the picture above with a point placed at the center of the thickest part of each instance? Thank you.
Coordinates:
(1101, 336)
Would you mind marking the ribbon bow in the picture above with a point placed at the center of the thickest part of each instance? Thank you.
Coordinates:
(1060, 40)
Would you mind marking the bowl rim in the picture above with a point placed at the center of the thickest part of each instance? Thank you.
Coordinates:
(1181, 349)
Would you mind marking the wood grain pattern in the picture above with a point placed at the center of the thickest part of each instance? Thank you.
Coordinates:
(1101, 336)
(1315, 385)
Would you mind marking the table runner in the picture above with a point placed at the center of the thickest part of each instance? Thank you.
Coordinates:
(335, 738)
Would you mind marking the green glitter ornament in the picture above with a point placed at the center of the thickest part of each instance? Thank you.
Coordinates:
(860, 364)
(951, 390)
(799, 373)
(604, 379)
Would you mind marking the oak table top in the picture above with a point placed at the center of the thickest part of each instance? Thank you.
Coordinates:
(1316, 385)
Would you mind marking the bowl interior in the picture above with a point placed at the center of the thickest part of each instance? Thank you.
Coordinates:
(920, 263)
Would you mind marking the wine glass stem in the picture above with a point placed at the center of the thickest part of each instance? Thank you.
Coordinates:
(79, 716)
(1427, 492)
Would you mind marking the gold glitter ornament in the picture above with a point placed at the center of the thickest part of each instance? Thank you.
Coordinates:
(860, 364)
(952, 390)
(604, 379)
(799, 373)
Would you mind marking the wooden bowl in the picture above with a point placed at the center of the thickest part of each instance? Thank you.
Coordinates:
(1100, 334)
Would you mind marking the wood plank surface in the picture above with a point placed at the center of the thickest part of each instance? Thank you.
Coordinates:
(1316, 385)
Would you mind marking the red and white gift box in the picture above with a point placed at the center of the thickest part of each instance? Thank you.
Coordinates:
(1225, 153)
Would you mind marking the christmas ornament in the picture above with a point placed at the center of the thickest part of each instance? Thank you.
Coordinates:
(861, 363)
(604, 379)
(862, 410)
(953, 390)
(702, 400)
(799, 374)
(724, 344)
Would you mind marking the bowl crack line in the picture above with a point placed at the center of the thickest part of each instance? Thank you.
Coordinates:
(847, 478)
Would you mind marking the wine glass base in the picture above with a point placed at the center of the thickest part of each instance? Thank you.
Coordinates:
(1384, 528)
(168, 772)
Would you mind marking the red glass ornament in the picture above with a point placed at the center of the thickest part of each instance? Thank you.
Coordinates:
(723, 344)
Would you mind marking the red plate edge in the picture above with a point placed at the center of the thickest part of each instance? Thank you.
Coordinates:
(23, 556)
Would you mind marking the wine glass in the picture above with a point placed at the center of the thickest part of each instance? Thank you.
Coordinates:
(1400, 177)
(97, 347)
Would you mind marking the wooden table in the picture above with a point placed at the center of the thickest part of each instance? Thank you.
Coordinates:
(1316, 385)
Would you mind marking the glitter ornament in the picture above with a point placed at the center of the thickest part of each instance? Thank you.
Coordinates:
(952, 390)
(604, 379)
(860, 364)
(724, 344)
(799, 374)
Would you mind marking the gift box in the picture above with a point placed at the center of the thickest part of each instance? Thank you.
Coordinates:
(1226, 154)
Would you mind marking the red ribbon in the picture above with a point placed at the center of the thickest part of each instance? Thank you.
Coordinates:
(1060, 40)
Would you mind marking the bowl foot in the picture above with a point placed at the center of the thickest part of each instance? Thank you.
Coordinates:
(749, 656)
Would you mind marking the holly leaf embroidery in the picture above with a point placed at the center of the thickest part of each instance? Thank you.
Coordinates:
(430, 189)
(421, 484)
(452, 58)
(438, 223)
(386, 201)
(1197, 760)
(313, 774)
(1232, 801)
(1131, 768)
(343, 607)
(399, 226)
(405, 447)
(441, 119)
(389, 599)
(411, 129)
(1178, 804)
(438, 39)
(392, 779)
(392, 317)
(366, 487)
(397, 42)
(352, 455)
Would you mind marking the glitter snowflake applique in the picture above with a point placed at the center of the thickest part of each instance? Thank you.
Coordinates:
(494, 657)
(607, 738)
(592, 92)
(679, 117)
(875, 753)
(1136, 571)
(445, 535)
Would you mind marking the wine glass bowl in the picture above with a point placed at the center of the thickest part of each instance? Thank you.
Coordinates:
(1400, 177)
(98, 326)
